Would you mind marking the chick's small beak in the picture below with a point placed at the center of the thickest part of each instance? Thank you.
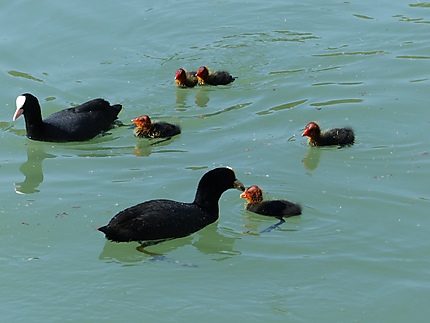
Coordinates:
(239, 185)
(243, 195)
(305, 133)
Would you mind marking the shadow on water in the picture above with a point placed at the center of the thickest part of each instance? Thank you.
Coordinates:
(32, 170)
(201, 97)
(208, 241)
(312, 158)
(129, 253)
(145, 147)
(252, 226)
(142, 148)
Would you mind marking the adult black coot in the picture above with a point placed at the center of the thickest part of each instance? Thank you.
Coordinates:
(146, 129)
(276, 208)
(204, 76)
(80, 123)
(336, 136)
(155, 221)
(185, 79)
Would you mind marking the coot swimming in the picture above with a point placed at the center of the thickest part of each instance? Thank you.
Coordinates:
(275, 208)
(155, 221)
(80, 123)
(204, 76)
(336, 136)
(185, 79)
(146, 129)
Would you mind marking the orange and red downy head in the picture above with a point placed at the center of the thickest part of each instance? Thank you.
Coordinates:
(181, 75)
(202, 72)
(311, 129)
(253, 194)
(142, 122)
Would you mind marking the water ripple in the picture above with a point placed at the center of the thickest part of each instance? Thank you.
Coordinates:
(24, 75)
(413, 56)
(333, 102)
(359, 53)
(284, 106)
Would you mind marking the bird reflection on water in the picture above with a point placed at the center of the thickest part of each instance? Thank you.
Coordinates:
(32, 170)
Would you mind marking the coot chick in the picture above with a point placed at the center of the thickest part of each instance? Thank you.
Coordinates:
(185, 79)
(276, 208)
(336, 136)
(155, 221)
(146, 129)
(214, 78)
(80, 123)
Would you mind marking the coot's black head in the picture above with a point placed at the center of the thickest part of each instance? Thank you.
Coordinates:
(214, 183)
(253, 194)
(312, 129)
(27, 104)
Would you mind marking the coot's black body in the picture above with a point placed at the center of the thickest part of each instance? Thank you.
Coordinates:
(336, 136)
(204, 76)
(80, 123)
(158, 220)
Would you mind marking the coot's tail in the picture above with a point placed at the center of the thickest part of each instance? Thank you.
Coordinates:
(104, 229)
(116, 108)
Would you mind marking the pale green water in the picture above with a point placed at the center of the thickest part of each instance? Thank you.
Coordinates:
(358, 253)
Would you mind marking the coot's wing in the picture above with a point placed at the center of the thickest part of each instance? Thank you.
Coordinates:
(158, 219)
(80, 123)
(93, 105)
(98, 107)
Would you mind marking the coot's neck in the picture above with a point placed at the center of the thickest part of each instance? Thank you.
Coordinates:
(33, 121)
(208, 199)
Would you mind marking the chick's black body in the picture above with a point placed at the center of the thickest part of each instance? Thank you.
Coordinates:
(158, 220)
(80, 123)
(219, 78)
(275, 208)
(204, 76)
(159, 129)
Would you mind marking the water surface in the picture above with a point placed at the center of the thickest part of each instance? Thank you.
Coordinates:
(358, 252)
